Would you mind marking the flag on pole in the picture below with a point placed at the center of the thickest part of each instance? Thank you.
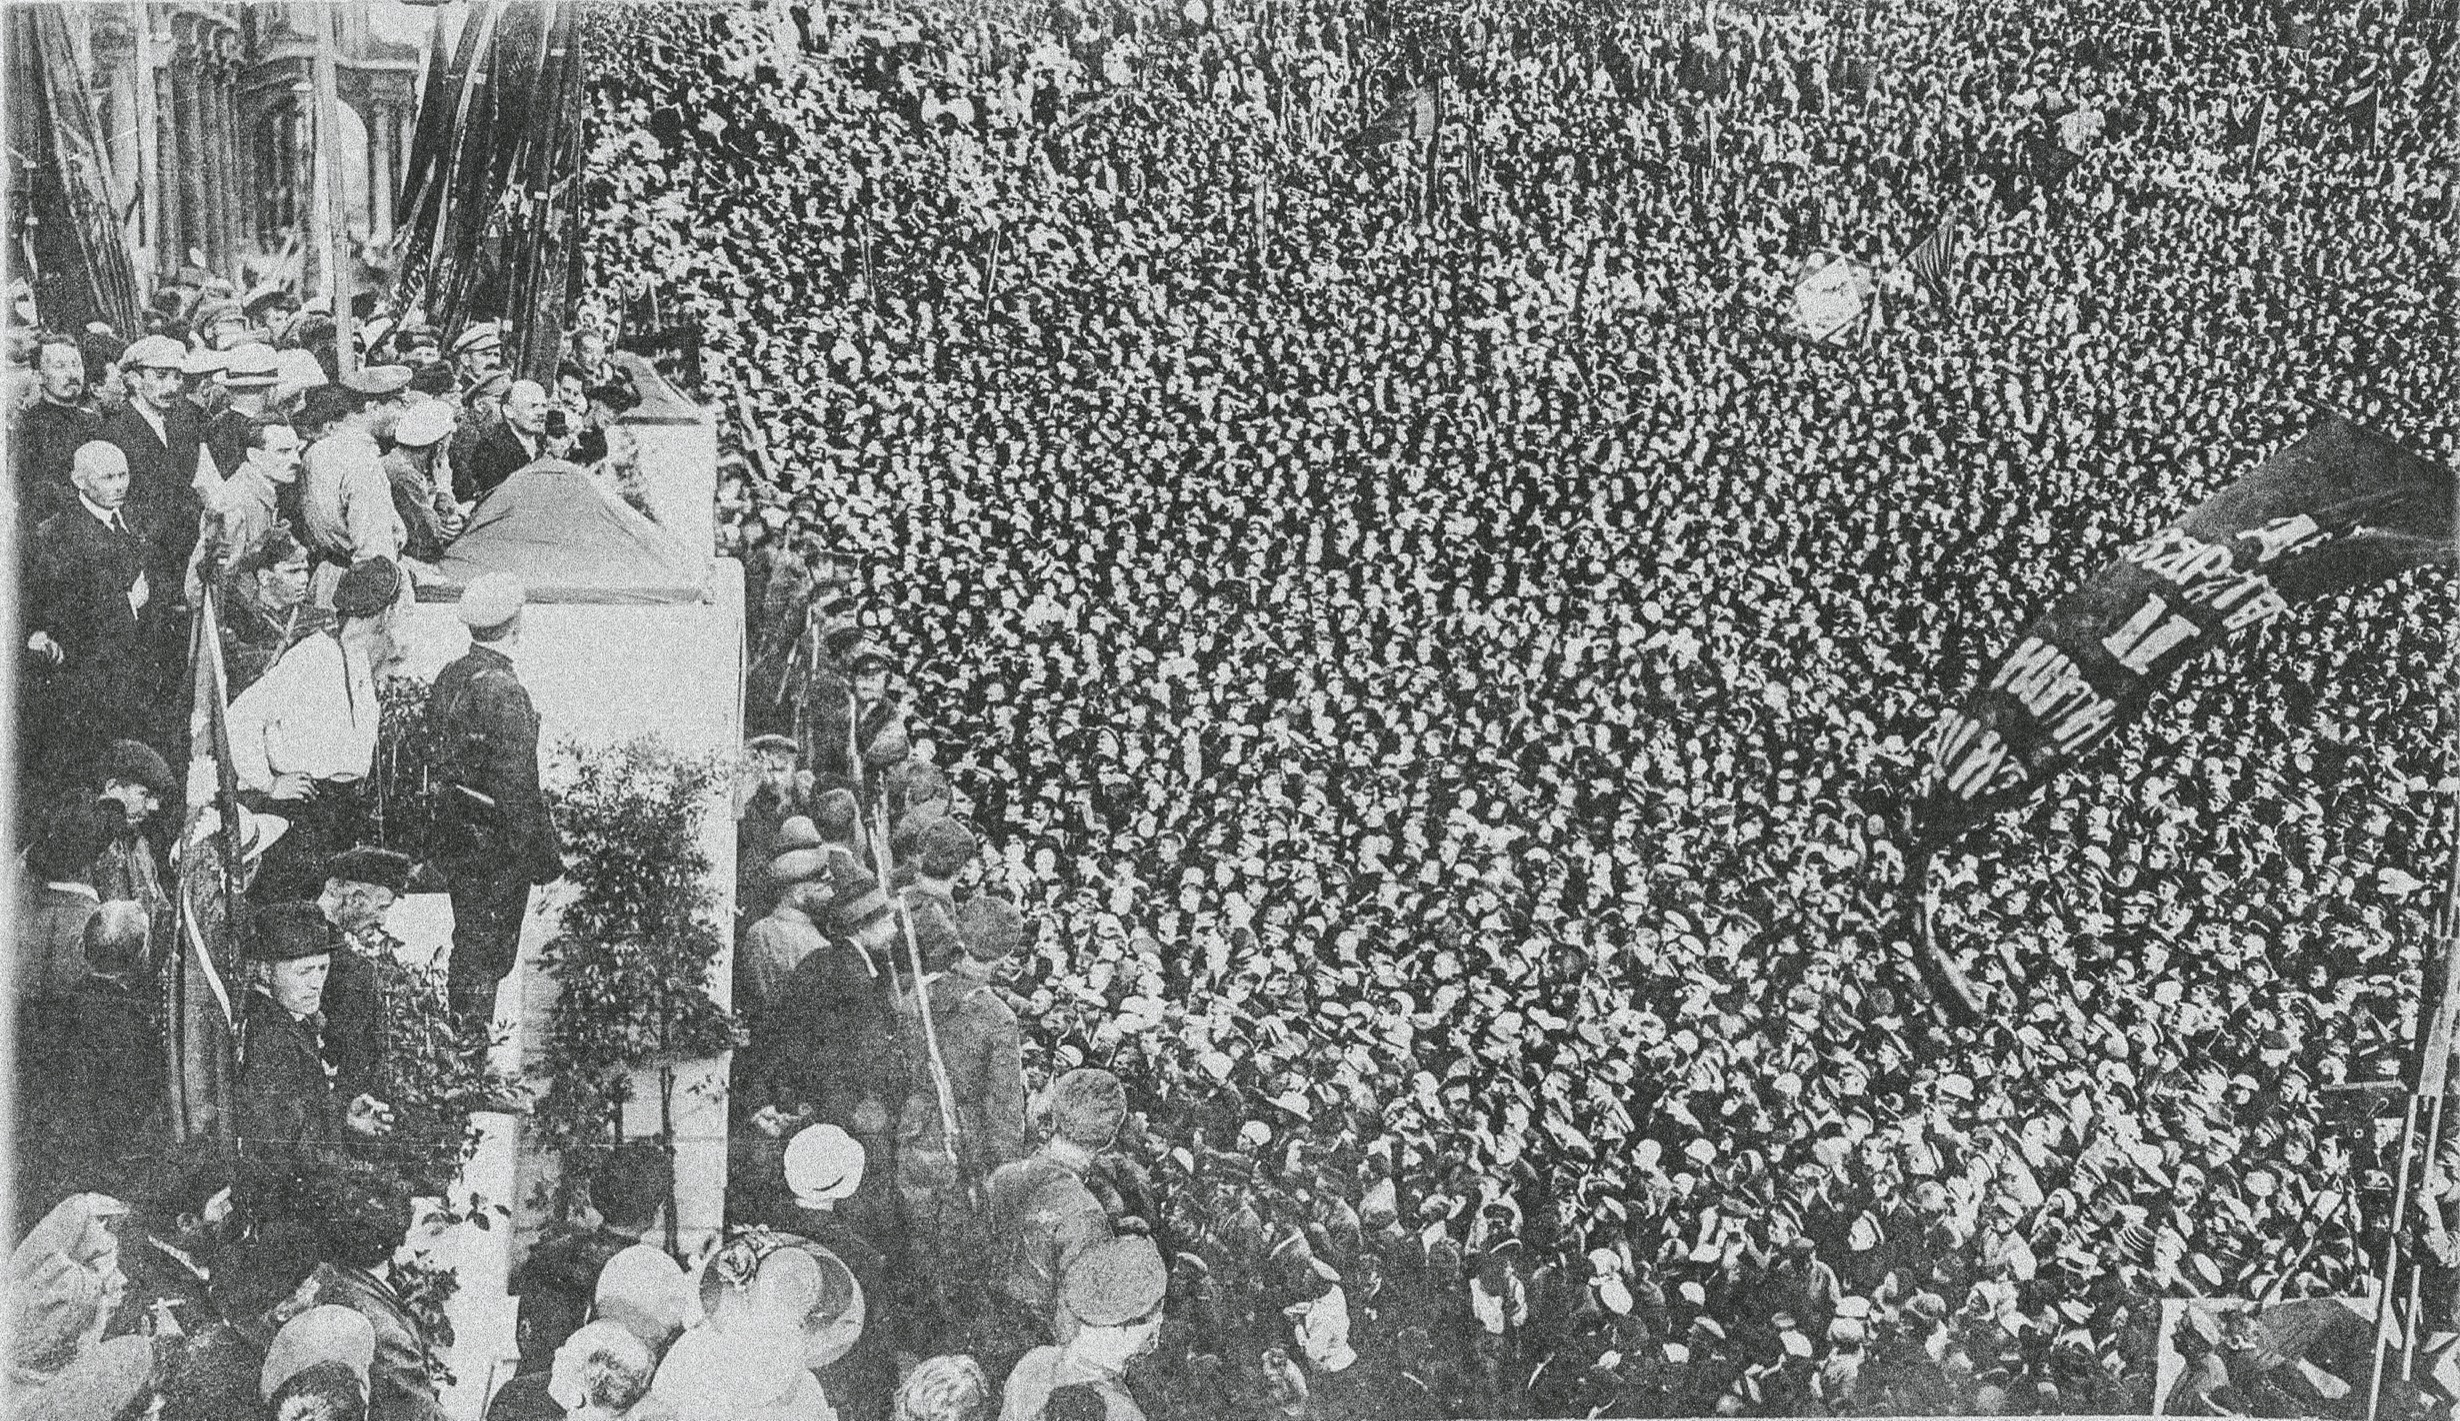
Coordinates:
(1412, 117)
(2340, 509)
(1932, 257)
(2249, 132)
(2362, 111)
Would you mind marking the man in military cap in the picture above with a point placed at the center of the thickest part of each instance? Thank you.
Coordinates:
(303, 738)
(385, 393)
(496, 838)
(1114, 1289)
(288, 1100)
(1042, 1214)
(429, 517)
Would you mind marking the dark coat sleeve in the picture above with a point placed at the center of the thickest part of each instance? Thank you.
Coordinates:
(488, 739)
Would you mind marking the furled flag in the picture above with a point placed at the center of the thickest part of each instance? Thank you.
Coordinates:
(1412, 117)
(2339, 509)
(2362, 112)
(2249, 131)
(1931, 258)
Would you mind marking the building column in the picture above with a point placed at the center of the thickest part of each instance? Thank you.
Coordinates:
(185, 116)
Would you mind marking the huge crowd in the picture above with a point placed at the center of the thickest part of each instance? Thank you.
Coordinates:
(1383, 685)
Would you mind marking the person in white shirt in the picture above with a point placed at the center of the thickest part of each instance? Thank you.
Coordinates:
(303, 738)
(345, 497)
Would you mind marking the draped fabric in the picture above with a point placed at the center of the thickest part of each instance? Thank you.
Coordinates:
(65, 230)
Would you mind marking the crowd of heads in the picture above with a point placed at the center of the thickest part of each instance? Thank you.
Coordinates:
(1439, 665)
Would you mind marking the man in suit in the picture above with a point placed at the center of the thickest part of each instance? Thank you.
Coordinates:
(496, 837)
(93, 603)
(164, 439)
(516, 442)
(52, 430)
(288, 1107)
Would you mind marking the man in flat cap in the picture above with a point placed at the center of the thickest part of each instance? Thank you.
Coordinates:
(1115, 1290)
(496, 838)
(164, 441)
(303, 738)
(384, 391)
(288, 1100)
(343, 491)
(479, 351)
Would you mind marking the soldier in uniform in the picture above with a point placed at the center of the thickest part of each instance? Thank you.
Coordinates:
(1043, 1214)
(288, 1104)
(497, 839)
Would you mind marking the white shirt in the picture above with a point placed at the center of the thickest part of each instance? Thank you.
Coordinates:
(315, 714)
(347, 499)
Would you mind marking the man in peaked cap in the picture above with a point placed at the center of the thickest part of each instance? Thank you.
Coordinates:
(429, 517)
(1115, 1289)
(496, 837)
(1043, 1214)
(479, 351)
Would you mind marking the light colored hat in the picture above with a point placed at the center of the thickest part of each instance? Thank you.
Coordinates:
(327, 1333)
(251, 366)
(485, 335)
(645, 1292)
(156, 353)
(824, 1162)
(424, 425)
(492, 599)
(257, 832)
(1116, 1281)
(208, 361)
(378, 381)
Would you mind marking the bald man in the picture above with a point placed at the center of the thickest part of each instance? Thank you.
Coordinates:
(517, 441)
(94, 598)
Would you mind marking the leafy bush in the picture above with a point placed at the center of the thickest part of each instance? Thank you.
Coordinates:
(405, 759)
(637, 943)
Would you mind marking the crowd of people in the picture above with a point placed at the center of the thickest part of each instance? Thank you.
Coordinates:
(1438, 669)
(1334, 701)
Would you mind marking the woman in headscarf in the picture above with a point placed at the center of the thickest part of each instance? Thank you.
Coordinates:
(64, 1284)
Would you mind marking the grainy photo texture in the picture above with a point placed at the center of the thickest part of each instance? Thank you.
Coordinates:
(1232, 710)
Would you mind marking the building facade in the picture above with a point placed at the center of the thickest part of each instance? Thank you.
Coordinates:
(207, 111)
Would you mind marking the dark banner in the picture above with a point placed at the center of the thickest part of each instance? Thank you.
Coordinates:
(65, 216)
(2341, 508)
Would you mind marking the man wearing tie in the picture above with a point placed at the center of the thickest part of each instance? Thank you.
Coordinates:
(92, 611)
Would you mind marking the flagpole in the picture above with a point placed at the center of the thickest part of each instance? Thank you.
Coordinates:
(329, 175)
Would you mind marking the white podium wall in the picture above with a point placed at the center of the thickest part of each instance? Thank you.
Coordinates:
(599, 675)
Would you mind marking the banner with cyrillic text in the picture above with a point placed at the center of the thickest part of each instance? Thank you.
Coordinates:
(2339, 509)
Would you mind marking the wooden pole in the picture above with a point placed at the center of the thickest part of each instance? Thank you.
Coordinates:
(330, 192)
(149, 157)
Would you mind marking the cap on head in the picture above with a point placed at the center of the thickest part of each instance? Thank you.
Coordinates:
(1087, 1106)
(371, 585)
(155, 353)
(326, 1333)
(947, 847)
(491, 601)
(377, 382)
(992, 927)
(137, 763)
(824, 1162)
(424, 426)
(481, 336)
(287, 932)
(797, 833)
(379, 868)
(253, 366)
(1116, 1281)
